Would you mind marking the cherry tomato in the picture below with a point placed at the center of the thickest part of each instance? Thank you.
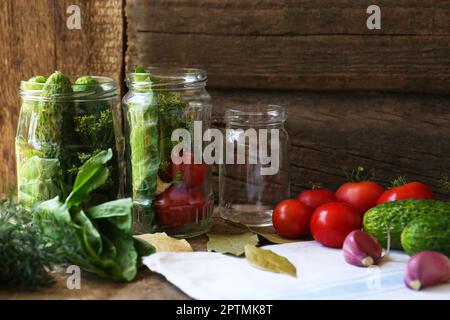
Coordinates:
(177, 206)
(191, 174)
(360, 195)
(315, 198)
(291, 218)
(412, 190)
(332, 222)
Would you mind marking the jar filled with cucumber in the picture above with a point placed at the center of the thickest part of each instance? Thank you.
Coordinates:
(61, 125)
(175, 198)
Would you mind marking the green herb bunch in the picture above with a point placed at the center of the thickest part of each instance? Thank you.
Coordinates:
(26, 258)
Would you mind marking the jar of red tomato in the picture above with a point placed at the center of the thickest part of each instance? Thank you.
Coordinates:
(171, 189)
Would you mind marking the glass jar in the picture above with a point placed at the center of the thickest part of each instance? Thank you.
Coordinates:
(169, 196)
(60, 127)
(255, 173)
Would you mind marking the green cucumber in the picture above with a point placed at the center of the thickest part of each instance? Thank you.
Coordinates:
(428, 232)
(395, 216)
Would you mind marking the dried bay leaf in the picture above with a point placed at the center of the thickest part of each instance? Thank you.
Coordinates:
(269, 261)
(231, 243)
(272, 236)
(163, 243)
(267, 233)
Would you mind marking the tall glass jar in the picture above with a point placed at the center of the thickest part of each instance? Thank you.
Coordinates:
(255, 173)
(169, 196)
(61, 126)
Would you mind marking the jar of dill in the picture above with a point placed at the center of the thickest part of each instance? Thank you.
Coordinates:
(62, 125)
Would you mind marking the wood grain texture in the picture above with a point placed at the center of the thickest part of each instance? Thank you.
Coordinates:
(98, 47)
(396, 134)
(28, 46)
(35, 40)
(305, 45)
(288, 17)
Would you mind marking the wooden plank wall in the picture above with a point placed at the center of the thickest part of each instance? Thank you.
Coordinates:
(381, 97)
(301, 44)
(393, 133)
(35, 40)
(265, 51)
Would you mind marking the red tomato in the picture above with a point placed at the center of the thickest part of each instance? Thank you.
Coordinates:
(177, 206)
(191, 174)
(360, 195)
(412, 190)
(332, 222)
(316, 198)
(291, 218)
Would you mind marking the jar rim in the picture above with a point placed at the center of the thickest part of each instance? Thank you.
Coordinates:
(167, 77)
(259, 114)
(34, 90)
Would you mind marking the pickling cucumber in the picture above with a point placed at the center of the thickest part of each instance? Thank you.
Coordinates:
(395, 216)
(428, 232)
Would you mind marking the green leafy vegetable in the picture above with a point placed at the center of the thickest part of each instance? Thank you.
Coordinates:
(144, 150)
(92, 175)
(103, 241)
(230, 243)
(39, 179)
(152, 113)
(269, 261)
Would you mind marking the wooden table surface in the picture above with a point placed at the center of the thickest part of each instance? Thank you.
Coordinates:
(146, 286)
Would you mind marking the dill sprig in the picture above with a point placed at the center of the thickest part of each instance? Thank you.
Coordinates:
(26, 259)
(359, 174)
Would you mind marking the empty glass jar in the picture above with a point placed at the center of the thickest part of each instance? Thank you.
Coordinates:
(255, 174)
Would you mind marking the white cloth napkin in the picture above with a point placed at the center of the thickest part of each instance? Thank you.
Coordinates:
(322, 273)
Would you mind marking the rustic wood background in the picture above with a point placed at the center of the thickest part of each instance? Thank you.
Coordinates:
(302, 45)
(34, 40)
(355, 97)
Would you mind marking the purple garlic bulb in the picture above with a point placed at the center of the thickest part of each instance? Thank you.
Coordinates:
(427, 268)
(361, 249)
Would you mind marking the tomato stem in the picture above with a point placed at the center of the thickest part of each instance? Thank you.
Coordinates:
(400, 181)
(315, 185)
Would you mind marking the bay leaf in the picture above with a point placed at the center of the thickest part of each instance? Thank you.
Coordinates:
(269, 261)
(267, 233)
(272, 236)
(231, 243)
(163, 243)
